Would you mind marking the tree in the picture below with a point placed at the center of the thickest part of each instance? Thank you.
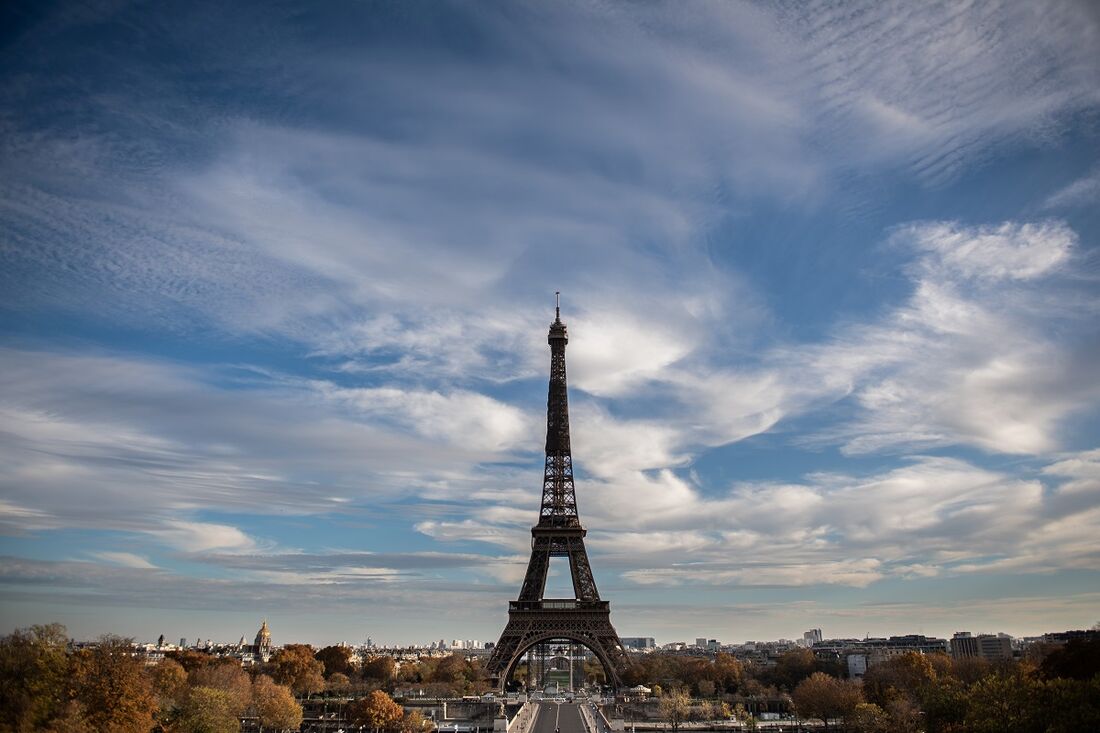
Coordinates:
(113, 688)
(1079, 660)
(71, 719)
(274, 705)
(413, 722)
(226, 675)
(905, 675)
(33, 670)
(384, 670)
(208, 711)
(870, 718)
(338, 683)
(191, 659)
(945, 703)
(337, 660)
(451, 670)
(1073, 705)
(377, 711)
(824, 697)
(1006, 701)
(675, 707)
(728, 672)
(295, 665)
(792, 667)
(168, 681)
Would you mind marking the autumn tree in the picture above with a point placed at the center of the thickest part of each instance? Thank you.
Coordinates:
(226, 675)
(274, 705)
(728, 672)
(113, 688)
(903, 676)
(168, 681)
(823, 697)
(294, 665)
(376, 711)
(869, 718)
(338, 683)
(413, 722)
(33, 670)
(337, 660)
(792, 667)
(208, 710)
(190, 659)
(383, 670)
(675, 707)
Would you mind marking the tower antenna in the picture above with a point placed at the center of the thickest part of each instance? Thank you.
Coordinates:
(557, 304)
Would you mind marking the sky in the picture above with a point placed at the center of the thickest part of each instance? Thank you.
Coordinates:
(275, 281)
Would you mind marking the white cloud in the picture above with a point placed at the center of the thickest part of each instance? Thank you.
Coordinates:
(1085, 191)
(125, 559)
(1012, 250)
(473, 421)
(202, 536)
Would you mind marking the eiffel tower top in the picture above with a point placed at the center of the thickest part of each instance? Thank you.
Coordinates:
(559, 499)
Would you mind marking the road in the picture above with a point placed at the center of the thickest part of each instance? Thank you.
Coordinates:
(565, 717)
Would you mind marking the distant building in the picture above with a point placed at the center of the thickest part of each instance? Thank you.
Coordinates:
(857, 665)
(701, 642)
(987, 646)
(994, 647)
(963, 645)
(811, 637)
(262, 647)
(640, 643)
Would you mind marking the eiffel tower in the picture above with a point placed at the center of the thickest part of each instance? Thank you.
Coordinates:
(533, 619)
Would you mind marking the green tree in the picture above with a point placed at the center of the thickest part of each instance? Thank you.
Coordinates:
(294, 665)
(1072, 705)
(34, 666)
(377, 711)
(207, 710)
(113, 688)
(945, 702)
(274, 705)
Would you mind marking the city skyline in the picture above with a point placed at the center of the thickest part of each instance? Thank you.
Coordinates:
(275, 286)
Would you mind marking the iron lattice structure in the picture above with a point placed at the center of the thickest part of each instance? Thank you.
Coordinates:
(534, 619)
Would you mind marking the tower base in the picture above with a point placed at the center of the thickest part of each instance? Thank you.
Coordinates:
(532, 622)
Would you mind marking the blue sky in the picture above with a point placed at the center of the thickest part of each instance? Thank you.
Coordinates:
(275, 282)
